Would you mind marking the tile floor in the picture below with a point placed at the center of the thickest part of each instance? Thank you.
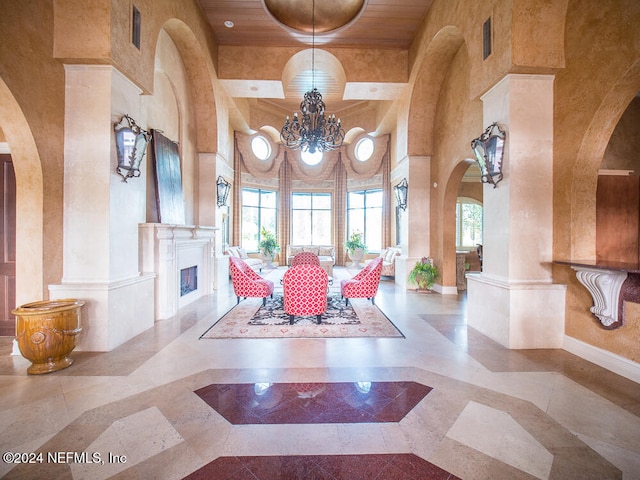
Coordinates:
(491, 413)
(338, 402)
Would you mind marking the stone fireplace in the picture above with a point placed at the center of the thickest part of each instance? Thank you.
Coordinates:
(182, 257)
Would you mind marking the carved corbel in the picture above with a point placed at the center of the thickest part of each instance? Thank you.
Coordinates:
(604, 286)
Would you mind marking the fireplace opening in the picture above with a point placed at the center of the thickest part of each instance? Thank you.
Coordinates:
(188, 280)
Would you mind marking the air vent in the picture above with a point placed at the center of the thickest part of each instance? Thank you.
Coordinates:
(486, 38)
(135, 27)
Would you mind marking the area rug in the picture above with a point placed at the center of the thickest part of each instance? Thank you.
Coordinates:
(249, 319)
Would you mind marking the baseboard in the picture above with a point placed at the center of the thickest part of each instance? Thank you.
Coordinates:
(605, 359)
(441, 289)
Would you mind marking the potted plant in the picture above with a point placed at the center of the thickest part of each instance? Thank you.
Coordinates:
(268, 246)
(424, 274)
(356, 248)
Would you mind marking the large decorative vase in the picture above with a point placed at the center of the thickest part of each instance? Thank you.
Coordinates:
(46, 333)
(356, 257)
(267, 259)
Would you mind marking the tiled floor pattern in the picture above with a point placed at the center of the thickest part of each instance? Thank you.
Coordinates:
(492, 413)
(286, 403)
(320, 467)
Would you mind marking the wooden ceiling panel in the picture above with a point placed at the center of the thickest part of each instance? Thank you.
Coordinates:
(382, 24)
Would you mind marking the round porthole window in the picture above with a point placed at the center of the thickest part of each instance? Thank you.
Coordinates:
(364, 149)
(261, 148)
(311, 158)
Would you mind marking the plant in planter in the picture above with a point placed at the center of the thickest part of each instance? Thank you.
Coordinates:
(424, 274)
(268, 245)
(356, 248)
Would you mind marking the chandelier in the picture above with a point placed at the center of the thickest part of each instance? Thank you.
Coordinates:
(313, 132)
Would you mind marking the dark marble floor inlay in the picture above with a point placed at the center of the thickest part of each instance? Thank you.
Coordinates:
(278, 403)
(323, 467)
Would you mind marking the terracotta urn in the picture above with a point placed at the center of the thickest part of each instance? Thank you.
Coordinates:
(46, 333)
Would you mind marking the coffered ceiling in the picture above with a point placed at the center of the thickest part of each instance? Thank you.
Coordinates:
(373, 24)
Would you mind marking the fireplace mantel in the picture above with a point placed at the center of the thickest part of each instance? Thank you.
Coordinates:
(166, 250)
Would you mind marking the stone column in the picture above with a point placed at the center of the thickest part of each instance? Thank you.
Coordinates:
(415, 220)
(206, 210)
(224, 223)
(513, 300)
(101, 212)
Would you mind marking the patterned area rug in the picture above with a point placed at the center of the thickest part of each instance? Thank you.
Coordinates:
(250, 319)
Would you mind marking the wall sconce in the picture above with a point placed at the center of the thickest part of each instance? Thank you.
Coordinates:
(223, 188)
(131, 144)
(401, 190)
(489, 149)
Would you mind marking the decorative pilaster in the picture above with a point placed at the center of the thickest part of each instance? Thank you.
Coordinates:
(101, 212)
(414, 222)
(514, 300)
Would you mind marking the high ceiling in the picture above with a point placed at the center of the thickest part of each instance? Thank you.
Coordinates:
(379, 24)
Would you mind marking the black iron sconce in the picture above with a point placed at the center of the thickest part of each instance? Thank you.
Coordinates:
(223, 188)
(131, 144)
(489, 149)
(401, 190)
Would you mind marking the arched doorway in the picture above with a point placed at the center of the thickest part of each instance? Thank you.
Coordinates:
(469, 225)
(7, 244)
(463, 220)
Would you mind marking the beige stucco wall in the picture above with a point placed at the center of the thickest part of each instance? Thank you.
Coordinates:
(171, 110)
(601, 78)
(34, 132)
(71, 31)
(458, 120)
(471, 190)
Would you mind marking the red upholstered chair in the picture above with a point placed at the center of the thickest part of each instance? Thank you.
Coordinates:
(305, 291)
(365, 283)
(305, 257)
(247, 283)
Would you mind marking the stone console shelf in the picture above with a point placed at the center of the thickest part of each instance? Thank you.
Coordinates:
(610, 285)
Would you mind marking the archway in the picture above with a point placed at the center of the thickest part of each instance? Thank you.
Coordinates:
(617, 200)
(29, 198)
(197, 61)
(427, 87)
(452, 191)
(198, 64)
(585, 172)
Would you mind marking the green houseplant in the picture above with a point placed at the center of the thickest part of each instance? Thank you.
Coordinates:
(424, 274)
(356, 248)
(268, 245)
(355, 241)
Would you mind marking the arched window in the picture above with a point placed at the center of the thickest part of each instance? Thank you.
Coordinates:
(364, 149)
(260, 147)
(311, 158)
